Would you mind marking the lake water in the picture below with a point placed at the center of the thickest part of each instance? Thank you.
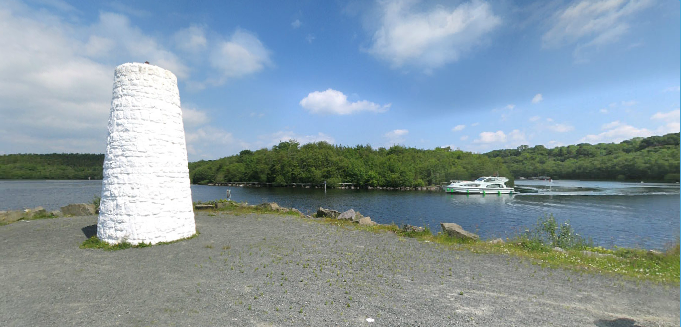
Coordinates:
(611, 213)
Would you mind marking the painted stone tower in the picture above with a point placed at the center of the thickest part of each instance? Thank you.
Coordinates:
(146, 195)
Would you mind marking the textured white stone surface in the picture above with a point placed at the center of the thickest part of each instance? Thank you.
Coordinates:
(146, 195)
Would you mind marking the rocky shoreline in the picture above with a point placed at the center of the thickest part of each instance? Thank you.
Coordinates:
(78, 209)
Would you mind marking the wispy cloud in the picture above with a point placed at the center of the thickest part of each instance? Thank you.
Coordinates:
(430, 39)
(396, 136)
(590, 24)
(491, 137)
(336, 103)
(537, 98)
(242, 54)
(280, 136)
(296, 23)
(458, 128)
(191, 39)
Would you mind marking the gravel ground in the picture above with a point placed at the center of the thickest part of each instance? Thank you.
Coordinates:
(269, 270)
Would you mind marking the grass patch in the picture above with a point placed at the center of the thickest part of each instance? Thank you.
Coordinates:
(95, 243)
(237, 208)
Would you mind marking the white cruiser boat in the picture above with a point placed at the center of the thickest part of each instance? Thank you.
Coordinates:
(483, 185)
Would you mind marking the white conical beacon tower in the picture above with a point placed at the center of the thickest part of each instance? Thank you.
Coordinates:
(146, 195)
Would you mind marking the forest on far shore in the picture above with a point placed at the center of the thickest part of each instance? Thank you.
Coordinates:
(654, 158)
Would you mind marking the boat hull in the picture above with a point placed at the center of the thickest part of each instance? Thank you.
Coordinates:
(484, 191)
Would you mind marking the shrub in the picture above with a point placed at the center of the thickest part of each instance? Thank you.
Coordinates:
(547, 234)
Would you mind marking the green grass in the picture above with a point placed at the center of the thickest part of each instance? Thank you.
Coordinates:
(95, 243)
(237, 208)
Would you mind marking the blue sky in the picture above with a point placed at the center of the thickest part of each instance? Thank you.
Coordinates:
(474, 75)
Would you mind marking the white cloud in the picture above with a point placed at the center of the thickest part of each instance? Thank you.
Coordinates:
(618, 133)
(560, 128)
(603, 111)
(491, 137)
(463, 138)
(336, 103)
(671, 120)
(396, 136)
(243, 54)
(458, 128)
(672, 89)
(309, 38)
(114, 31)
(629, 103)
(590, 23)
(535, 118)
(611, 125)
(191, 39)
(54, 97)
(208, 142)
(281, 136)
(510, 106)
(537, 98)
(432, 38)
(668, 116)
(296, 23)
(517, 136)
(475, 124)
(193, 117)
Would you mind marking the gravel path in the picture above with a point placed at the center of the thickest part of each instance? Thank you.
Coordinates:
(268, 270)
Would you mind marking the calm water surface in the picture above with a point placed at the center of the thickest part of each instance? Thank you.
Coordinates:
(612, 213)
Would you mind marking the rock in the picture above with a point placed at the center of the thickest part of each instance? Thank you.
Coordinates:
(37, 211)
(557, 249)
(204, 206)
(11, 216)
(270, 206)
(410, 228)
(56, 213)
(221, 205)
(79, 209)
(366, 221)
(497, 241)
(654, 252)
(357, 218)
(457, 231)
(327, 213)
(596, 254)
(347, 215)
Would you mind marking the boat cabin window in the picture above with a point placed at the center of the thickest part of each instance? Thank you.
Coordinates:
(494, 186)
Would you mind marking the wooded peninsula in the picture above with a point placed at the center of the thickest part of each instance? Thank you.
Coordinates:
(654, 158)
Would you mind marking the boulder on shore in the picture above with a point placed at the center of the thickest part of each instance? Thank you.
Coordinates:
(347, 215)
(78, 209)
(457, 231)
(271, 206)
(410, 228)
(11, 216)
(327, 213)
(367, 221)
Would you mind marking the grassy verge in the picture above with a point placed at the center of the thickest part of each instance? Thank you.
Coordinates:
(237, 208)
(538, 245)
(95, 243)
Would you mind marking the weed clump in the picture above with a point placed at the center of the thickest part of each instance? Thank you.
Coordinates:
(547, 234)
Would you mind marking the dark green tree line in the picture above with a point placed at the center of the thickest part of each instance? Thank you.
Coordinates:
(654, 158)
(51, 166)
(399, 166)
